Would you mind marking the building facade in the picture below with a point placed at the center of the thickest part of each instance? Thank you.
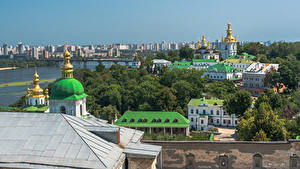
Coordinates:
(155, 122)
(254, 77)
(205, 114)
(222, 71)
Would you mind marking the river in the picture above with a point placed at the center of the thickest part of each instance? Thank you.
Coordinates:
(9, 95)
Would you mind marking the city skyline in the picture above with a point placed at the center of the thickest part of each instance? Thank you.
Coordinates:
(102, 22)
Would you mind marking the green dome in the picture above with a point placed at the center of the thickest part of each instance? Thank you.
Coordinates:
(67, 89)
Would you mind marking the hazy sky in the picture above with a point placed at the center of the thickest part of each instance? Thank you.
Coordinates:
(40, 22)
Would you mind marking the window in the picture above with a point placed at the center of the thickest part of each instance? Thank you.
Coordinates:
(81, 110)
(192, 111)
(154, 120)
(257, 161)
(204, 112)
(211, 112)
(192, 119)
(218, 112)
(159, 120)
(140, 120)
(131, 120)
(235, 122)
(218, 121)
(145, 120)
(202, 121)
(175, 120)
(197, 111)
(167, 120)
(62, 110)
(224, 121)
(36, 102)
(124, 120)
(229, 122)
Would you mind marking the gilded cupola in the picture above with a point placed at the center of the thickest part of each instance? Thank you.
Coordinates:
(67, 69)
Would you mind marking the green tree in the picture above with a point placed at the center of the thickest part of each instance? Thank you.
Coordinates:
(238, 103)
(186, 53)
(261, 118)
(166, 99)
(260, 136)
(100, 67)
(109, 113)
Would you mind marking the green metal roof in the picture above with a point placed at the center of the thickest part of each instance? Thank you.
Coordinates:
(178, 67)
(221, 68)
(67, 89)
(204, 60)
(244, 55)
(182, 63)
(137, 119)
(210, 102)
(298, 137)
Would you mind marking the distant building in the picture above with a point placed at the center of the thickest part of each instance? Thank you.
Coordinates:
(136, 63)
(222, 71)
(5, 49)
(205, 114)
(254, 76)
(36, 95)
(34, 53)
(161, 63)
(20, 48)
(155, 122)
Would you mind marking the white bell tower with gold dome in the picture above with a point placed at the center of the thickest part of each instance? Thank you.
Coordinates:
(228, 45)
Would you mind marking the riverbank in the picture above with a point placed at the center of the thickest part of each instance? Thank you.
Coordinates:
(25, 83)
(8, 68)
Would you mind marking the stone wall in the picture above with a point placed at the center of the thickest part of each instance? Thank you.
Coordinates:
(229, 155)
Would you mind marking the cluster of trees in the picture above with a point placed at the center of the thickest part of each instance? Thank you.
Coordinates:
(273, 117)
(25, 63)
(117, 89)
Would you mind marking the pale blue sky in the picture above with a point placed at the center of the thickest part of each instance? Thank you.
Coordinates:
(40, 22)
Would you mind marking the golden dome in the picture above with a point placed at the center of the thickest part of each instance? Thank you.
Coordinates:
(229, 37)
(67, 69)
(36, 91)
(198, 45)
(203, 39)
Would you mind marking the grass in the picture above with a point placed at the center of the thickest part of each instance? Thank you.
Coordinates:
(25, 83)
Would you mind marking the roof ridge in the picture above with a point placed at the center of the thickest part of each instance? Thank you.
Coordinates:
(82, 139)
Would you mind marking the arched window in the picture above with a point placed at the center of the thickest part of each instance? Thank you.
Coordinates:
(159, 120)
(140, 120)
(145, 120)
(132, 120)
(81, 110)
(257, 161)
(167, 120)
(175, 120)
(124, 120)
(192, 119)
(218, 112)
(62, 110)
(154, 120)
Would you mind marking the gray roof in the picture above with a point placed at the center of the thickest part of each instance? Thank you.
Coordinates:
(34, 140)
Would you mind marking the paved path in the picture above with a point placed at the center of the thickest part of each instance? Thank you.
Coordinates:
(227, 134)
